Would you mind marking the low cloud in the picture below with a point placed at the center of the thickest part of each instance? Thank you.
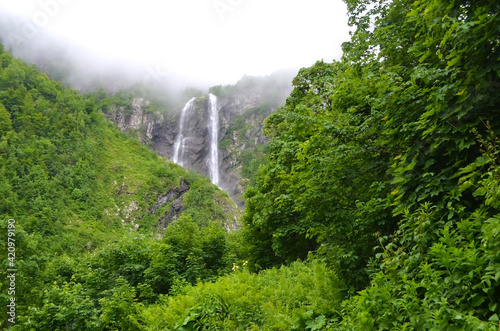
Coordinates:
(197, 43)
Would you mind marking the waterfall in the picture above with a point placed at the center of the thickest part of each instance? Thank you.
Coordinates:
(179, 140)
(213, 163)
(183, 137)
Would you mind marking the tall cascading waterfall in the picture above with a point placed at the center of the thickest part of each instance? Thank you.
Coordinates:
(213, 161)
(179, 143)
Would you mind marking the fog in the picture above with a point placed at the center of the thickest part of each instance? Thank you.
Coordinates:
(196, 43)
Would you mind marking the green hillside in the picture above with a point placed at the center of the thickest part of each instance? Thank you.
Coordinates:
(85, 198)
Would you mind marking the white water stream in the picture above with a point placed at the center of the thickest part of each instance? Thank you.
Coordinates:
(213, 161)
(179, 143)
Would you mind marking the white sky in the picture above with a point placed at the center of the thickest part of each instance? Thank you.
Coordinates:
(208, 40)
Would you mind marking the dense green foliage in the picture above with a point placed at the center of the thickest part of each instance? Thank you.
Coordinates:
(396, 145)
(383, 177)
(297, 297)
(325, 163)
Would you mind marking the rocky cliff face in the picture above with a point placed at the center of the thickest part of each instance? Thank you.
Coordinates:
(139, 119)
(240, 130)
(241, 110)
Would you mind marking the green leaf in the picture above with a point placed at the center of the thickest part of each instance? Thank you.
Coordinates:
(478, 300)
(316, 324)
(480, 192)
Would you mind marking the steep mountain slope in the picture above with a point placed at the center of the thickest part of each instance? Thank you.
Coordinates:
(149, 105)
(71, 185)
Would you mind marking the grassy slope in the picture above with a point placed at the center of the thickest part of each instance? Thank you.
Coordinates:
(75, 184)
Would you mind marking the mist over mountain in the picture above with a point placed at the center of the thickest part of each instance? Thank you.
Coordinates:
(87, 69)
(62, 59)
(83, 69)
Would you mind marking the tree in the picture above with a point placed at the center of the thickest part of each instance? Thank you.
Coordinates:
(5, 121)
(326, 168)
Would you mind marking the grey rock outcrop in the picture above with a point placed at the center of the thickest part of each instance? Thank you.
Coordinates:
(138, 119)
(174, 195)
(241, 115)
